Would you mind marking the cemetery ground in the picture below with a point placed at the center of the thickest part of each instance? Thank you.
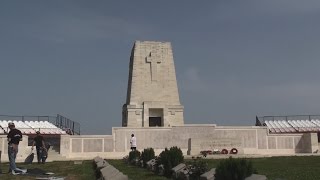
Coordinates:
(67, 169)
(286, 168)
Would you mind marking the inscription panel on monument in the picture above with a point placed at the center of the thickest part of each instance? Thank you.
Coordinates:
(220, 143)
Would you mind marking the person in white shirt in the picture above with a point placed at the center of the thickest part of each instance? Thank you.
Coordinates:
(133, 142)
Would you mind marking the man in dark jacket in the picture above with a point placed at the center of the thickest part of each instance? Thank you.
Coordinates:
(14, 137)
(40, 147)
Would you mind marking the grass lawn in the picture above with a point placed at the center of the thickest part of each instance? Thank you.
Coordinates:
(288, 168)
(134, 172)
(66, 169)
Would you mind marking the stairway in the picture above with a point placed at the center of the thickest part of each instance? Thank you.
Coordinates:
(53, 155)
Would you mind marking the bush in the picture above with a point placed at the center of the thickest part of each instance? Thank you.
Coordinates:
(125, 159)
(197, 167)
(233, 169)
(134, 156)
(169, 159)
(147, 155)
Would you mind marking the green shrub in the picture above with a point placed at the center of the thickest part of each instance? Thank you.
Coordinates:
(170, 158)
(197, 167)
(134, 156)
(147, 155)
(233, 169)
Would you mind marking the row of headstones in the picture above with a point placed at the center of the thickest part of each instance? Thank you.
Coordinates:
(181, 171)
(107, 171)
(151, 166)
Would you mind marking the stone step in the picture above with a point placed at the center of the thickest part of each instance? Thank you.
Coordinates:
(53, 155)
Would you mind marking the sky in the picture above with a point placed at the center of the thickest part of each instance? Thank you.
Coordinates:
(234, 59)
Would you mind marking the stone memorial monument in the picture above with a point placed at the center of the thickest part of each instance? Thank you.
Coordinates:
(152, 95)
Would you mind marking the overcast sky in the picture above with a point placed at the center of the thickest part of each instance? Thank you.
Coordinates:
(234, 59)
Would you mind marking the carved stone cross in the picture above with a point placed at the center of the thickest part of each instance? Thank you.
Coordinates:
(154, 60)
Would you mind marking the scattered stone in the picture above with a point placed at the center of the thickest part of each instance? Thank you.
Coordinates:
(102, 164)
(209, 175)
(176, 170)
(161, 170)
(120, 177)
(97, 159)
(184, 174)
(141, 163)
(151, 164)
(256, 177)
(77, 162)
(109, 171)
(136, 162)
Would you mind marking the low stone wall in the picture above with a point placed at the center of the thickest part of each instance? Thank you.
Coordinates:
(191, 139)
(254, 140)
(23, 152)
(88, 146)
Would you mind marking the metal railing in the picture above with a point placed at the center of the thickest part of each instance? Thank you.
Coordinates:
(67, 124)
(290, 117)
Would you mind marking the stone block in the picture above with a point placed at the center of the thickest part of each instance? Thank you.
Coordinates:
(176, 170)
(120, 176)
(109, 172)
(151, 164)
(77, 162)
(208, 175)
(184, 174)
(102, 164)
(256, 177)
(97, 159)
(161, 170)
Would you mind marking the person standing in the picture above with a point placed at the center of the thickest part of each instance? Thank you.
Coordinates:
(133, 142)
(40, 147)
(14, 137)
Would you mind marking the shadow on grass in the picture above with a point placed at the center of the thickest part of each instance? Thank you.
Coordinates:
(66, 169)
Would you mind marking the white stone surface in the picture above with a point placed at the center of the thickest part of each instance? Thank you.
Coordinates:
(249, 140)
(152, 86)
(102, 164)
(256, 177)
(209, 175)
(176, 170)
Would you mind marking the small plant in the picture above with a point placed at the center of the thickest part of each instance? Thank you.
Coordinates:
(125, 159)
(169, 159)
(134, 157)
(147, 155)
(233, 169)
